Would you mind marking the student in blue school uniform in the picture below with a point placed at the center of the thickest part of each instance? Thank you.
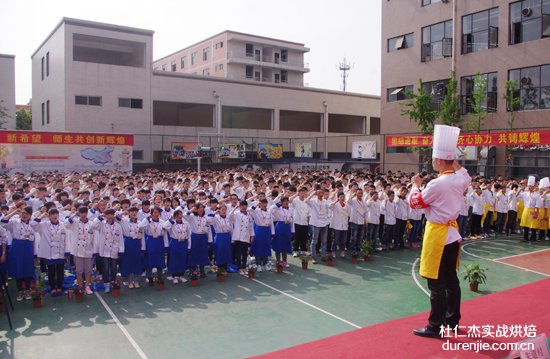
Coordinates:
(284, 228)
(264, 230)
(179, 245)
(222, 239)
(110, 246)
(201, 237)
(155, 244)
(22, 250)
(134, 244)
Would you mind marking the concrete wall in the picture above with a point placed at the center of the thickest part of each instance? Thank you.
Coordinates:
(7, 89)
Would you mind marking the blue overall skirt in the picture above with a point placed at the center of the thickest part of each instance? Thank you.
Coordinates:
(132, 261)
(199, 250)
(21, 259)
(179, 254)
(154, 256)
(223, 249)
(281, 242)
(261, 246)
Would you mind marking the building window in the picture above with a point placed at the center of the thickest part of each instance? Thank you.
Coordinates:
(219, 67)
(399, 149)
(284, 55)
(437, 41)
(137, 155)
(42, 68)
(249, 50)
(437, 90)
(88, 100)
(249, 72)
(399, 93)
(206, 72)
(182, 62)
(277, 78)
(173, 66)
(205, 53)
(219, 45)
(491, 95)
(429, 2)
(529, 20)
(480, 31)
(400, 42)
(47, 64)
(163, 67)
(533, 87)
(43, 113)
(48, 112)
(193, 58)
(130, 102)
(284, 76)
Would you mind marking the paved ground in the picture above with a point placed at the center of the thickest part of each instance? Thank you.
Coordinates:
(240, 317)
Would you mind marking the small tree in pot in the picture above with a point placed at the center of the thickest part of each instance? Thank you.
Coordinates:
(475, 275)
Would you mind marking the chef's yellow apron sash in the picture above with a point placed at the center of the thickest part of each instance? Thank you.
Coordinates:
(435, 237)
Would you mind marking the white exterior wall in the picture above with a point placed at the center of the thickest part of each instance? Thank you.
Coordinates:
(7, 89)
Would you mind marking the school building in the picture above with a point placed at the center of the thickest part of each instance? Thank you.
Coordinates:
(7, 91)
(231, 88)
(499, 39)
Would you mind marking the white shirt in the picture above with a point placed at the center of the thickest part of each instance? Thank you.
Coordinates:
(373, 211)
(53, 239)
(263, 218)
(242, 226)
(501, 203)
(82, 238)
(402, 208)
(443, 197)
(300, 211)
(512, 201)
(319, 211)
(178, 231)
(390, 209)
(340, 216)
(358, 211)
(477, 204)
(111, 241)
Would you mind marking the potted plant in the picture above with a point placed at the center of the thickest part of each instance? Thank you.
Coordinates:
(194, 276)
(79, 294)
(279, 267)
(115, 289)
(305, 258)
(37, 293)
(354, 257)
(251, 267)
(330, 260)
(160, 281)
(475, 275)
(219, 274)
(366, 249)
(70, 293)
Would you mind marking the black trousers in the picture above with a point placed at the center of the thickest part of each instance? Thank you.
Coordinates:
(240, 253)
(475, 230)
(23, 283)
(526, 237)
(511, 223)
(445, 291)
(300, 237)
(400, 227)
(55, 275)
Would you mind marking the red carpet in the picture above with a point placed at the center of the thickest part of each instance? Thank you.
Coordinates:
(523, 305)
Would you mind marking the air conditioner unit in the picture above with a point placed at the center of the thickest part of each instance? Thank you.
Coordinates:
(525, 80)
(526, 12)
(444, 1)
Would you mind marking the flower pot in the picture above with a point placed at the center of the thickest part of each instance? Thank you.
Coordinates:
(366, 258)
(37, 302)
(194, 282)
(115, 292)
(70, 294)
(251, 274)
(279, 269)
(473, 287)
(219, 278)
(330, 262)
(304, 265)
(79, 297)
(354, 260)
(160, 286)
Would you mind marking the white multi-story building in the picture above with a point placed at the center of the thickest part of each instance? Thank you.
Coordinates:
(7, 90)
(239, 56)
(95, 77)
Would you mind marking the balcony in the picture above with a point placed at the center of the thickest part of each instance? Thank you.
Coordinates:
(264, 80)
(249, 58)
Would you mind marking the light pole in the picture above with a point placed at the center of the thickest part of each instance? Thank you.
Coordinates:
(325, 127)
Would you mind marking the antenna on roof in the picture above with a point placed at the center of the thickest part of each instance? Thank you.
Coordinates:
(344, 67)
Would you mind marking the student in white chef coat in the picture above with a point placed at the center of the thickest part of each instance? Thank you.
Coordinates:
(82, 240)
(339, 223)
(243, 233)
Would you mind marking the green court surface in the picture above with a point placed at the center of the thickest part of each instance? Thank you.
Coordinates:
(241, 317)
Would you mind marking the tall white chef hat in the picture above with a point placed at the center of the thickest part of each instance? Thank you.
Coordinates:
(531, 181)
(445, 142)
(544, 183)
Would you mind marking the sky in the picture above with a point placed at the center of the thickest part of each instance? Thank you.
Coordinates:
(333, 30)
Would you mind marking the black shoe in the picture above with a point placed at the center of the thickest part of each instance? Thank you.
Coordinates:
(151, 282)
(426, 332)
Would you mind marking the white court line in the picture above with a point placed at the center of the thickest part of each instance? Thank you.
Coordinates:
(523, 254)
(495, 261)
(308, 304)
(413, 273)
(122, 329)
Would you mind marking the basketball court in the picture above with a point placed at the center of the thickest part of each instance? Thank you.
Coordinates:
(242, 318)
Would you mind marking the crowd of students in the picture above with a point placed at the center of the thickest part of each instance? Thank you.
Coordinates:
(174, 222)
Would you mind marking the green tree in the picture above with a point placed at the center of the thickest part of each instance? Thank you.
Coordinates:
(511, 96)
(419, 109)
(478, 103)
(4, 115)
(23, 120)
(450, 112)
